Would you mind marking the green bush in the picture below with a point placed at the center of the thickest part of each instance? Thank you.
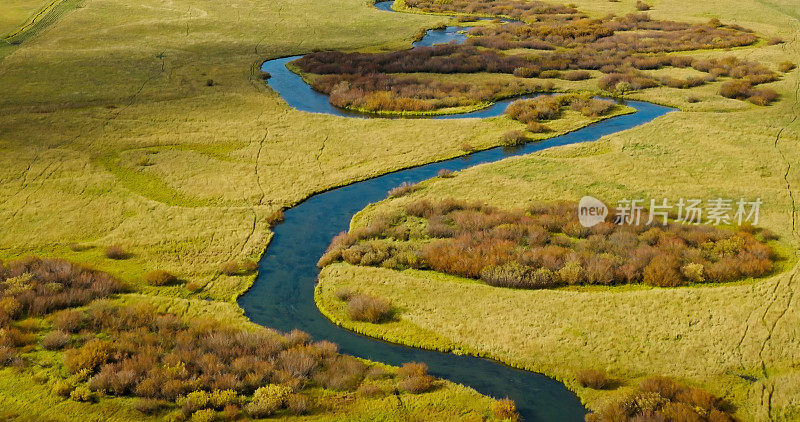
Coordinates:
(82, 393)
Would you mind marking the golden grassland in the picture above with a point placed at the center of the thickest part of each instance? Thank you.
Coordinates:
(110, 134)
(739, 341)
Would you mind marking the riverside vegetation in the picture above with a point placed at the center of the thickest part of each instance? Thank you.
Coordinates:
(139, 153)
(735, 339)
(54, 325)
(548, 41)
(545, 246)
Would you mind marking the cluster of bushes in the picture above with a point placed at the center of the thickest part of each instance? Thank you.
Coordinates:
(510, 8)
(203, 370)
(547, 107)
(381, 92)
(742, 89)
(203, 367)
(34, 286)
(545, 246)
(663, 399)
(567, 44)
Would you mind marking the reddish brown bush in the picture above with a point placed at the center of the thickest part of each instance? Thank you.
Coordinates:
(642, 6)
(361, 307)
(414, 378)
(159, 278)
(514, 138)
(405, 188)
(593, 378)
(55, 340)
(116, 252)
(786, 66)
(230, 268)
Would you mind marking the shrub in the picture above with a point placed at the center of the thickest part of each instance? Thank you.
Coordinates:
(68, 320)
(662, 271)
(550, 74)
(786, 66)
(738, 88)
(230, 268)
(593, 378)
(62, 388)
(660, 398)
(265, 75)
(8, 356)
(693, 99)
(160, 278)
(298, 404)
(369, 390)
(526, 72)
(82, 393)
(775, 41)
(209, 82)
(514, 138)
(404, 189)
(368, 308)
(249, 266)
(416, 384)
(545, 246)
(89, 356)
(577, 75)
(693, 272)
(195, 286)
(446, 174)
(204, 415)
(230, 413)
(536, 127)
(642, 6)
(267, 400)
(55, 340)
(116, 252)
(505, 409)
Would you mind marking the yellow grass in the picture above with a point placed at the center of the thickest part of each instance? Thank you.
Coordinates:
(715, 337)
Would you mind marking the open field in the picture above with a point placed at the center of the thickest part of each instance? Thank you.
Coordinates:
(15, 12)
(155, 133)
(738, 341)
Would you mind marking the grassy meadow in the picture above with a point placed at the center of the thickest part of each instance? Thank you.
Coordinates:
(155, 133)
(738, 341)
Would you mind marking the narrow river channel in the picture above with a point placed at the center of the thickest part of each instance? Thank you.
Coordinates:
(282, 296)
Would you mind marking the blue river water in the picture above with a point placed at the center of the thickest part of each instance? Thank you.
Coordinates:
(282, 296)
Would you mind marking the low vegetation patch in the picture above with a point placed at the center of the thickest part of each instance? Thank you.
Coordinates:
(557, 42)
(593, 378)
(545, 246)
(663, 399)
(196, 369)
(534, 111)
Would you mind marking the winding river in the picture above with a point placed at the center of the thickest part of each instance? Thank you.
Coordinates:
(282, 296)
